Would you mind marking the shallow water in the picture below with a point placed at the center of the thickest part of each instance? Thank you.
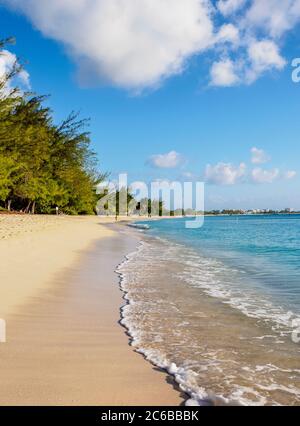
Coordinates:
(215, 306)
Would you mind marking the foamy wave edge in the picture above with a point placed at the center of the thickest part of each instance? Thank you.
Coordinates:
(197, 396)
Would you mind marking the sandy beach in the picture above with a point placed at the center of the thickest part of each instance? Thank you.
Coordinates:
(61, 301)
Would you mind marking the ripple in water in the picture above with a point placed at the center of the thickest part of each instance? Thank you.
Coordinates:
(224, 342)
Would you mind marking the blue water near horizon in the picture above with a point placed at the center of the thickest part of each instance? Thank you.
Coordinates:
(262, 251)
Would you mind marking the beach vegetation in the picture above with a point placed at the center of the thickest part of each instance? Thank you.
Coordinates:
(43, 165)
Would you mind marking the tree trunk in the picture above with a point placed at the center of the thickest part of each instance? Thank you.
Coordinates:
(33, 208)
(8, 205)
(27, 208)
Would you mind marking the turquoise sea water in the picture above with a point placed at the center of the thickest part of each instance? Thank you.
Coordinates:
(264, 249)
(219, 307)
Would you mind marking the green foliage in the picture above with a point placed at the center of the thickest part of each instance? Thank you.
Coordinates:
(43, 165)
(8, 168)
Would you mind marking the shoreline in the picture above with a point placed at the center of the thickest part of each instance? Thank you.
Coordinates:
(187, 326)
(170, 371)
(65, 345)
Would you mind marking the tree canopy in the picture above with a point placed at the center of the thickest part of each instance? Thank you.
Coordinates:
(43, 165)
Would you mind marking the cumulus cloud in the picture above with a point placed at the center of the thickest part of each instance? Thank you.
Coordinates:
(263, 55)
(224, 73)
(260, 175)
(7, 62)
(171, 160)
(259, 156)
(228, 7)
(273, 16)
(130, 43)
(225, 173)
(228, 33)
(230, 174)
(137, 44)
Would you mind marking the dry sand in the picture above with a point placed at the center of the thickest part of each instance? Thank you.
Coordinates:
(34, 248)
(60, 297)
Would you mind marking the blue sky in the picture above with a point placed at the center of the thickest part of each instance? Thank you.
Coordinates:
(200, 118)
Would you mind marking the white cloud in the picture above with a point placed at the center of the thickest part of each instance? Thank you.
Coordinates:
(228, 7)
(274, 17)
(290, 174)
(264, 176)
(7, 62)
(228, 33)
(223, 73)
(137, 44)
(225, 173)
(25, 79)
(259, 156)
(264, 56)
(262, 24)
(229, 174)
(261, 56)
(129, 43)
(171, 160)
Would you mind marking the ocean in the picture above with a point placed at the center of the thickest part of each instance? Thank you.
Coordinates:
(219, 307)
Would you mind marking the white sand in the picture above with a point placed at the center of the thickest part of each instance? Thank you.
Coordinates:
(34, 248)
(60, 297)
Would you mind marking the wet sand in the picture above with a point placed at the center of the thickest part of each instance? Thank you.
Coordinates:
(223, 357)
(66, 347)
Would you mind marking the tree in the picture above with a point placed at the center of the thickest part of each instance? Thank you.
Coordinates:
(43, 165)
